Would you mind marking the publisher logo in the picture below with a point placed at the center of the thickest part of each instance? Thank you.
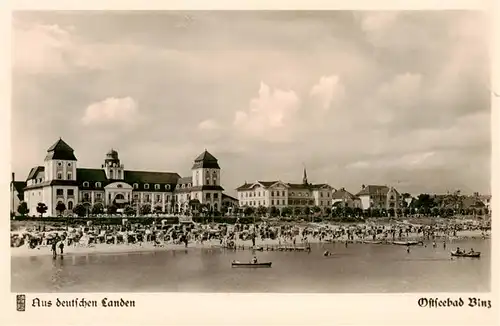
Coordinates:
(21, 302)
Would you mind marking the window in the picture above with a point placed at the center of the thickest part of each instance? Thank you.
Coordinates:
(97, 184)
(167, 187)
(59, 192)
(148, 198)
(146, 186)
(158, 197)
(70, 205)
(86, 196)
(216, 196)
(118, 174)
(272, 201)
(321, 203)
(292, 193)
(98, 196)
(207, 180)
(59, 163)
(272, 193)
(119, 186)
(321, 194)
(189, 185)
(59, 175)
(136, 196)
(70, 176)
(327, 194)
(157, 187)
(69, 164)
(136, 186)
(71, 192)
(85, 183)
(207, 196)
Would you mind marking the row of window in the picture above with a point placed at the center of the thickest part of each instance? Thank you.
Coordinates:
(60, 192)
(69, 176)
(60, 164)
(136, 186)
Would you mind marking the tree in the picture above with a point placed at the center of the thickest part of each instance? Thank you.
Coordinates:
(306, 210)
(273, 211)
(80, 210)
(328, 211)
(158, 209)
(248, 210)
(435, 211)
(129, 210)
(391, 212)
(23, 208)
(286, 211)
(111, 209)
(297, 211)
(145, 209)
(41, 209)
(60, 207)
(261, 210)
(98, 208)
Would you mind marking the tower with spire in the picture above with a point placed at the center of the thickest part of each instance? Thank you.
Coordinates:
(304, 178)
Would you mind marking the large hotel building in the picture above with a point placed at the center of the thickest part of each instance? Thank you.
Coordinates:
(281, 194)
(60, 180)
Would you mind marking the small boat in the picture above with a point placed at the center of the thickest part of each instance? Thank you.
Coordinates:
(465, 254)
(371, 242)
(407, 243)
(250, 265)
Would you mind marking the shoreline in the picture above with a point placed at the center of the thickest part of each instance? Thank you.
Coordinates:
(109, 249)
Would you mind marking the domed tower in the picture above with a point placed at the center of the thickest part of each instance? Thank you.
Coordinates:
(112, 166)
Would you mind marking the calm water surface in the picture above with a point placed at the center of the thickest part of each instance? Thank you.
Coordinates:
(357, 268)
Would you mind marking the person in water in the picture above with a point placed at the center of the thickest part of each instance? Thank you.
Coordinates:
(254, 260)
(54, 249)
(458, 251)
(471, 251)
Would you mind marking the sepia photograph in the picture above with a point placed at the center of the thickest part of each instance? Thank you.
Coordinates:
(251, 152)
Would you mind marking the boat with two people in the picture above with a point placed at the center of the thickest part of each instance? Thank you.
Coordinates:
(253, 264)
(463, 253)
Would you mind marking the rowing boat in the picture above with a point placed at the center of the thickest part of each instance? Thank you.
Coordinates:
(407, 243)
(371, 242)
(250, 265)
(470, 254)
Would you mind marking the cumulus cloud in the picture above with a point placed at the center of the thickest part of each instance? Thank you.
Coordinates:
(208, 124)
(38, 48)
(326, 91)
(269, 116)
(112, 111)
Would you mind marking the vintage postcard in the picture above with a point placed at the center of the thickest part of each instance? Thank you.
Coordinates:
(251, 166)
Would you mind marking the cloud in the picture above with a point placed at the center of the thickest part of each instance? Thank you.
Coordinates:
(39, 48)
(112, 111)
(269, 116)
(326, 90)
(208, 124)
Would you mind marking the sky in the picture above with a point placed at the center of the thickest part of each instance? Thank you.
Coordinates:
(357, 97)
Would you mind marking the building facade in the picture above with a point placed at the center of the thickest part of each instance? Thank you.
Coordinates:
(280, 194)
(379, 197)
(59, 180)
(343, 198)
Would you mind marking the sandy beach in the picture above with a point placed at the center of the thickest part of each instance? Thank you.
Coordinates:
(102, 248)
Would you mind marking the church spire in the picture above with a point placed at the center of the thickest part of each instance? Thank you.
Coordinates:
(304, 178)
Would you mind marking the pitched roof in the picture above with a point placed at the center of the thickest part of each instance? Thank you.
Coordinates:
(91, 175)
(224, 196)
(151, 177)
(342, 193)
(373, 190)
(60, 151)
(19, 187)
(184, 180)
(267, 183)
(205, 160)
(34, 171)
(245, 186)
(299, 185)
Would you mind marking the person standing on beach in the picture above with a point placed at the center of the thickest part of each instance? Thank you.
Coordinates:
(61, 246)
(54, 248)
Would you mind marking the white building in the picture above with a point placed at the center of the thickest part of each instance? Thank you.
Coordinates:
(280, 194)
(375, 196)
(60, 180)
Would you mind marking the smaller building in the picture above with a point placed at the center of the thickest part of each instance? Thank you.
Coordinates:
(379, 197)
(228, 203)
(344, 198)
